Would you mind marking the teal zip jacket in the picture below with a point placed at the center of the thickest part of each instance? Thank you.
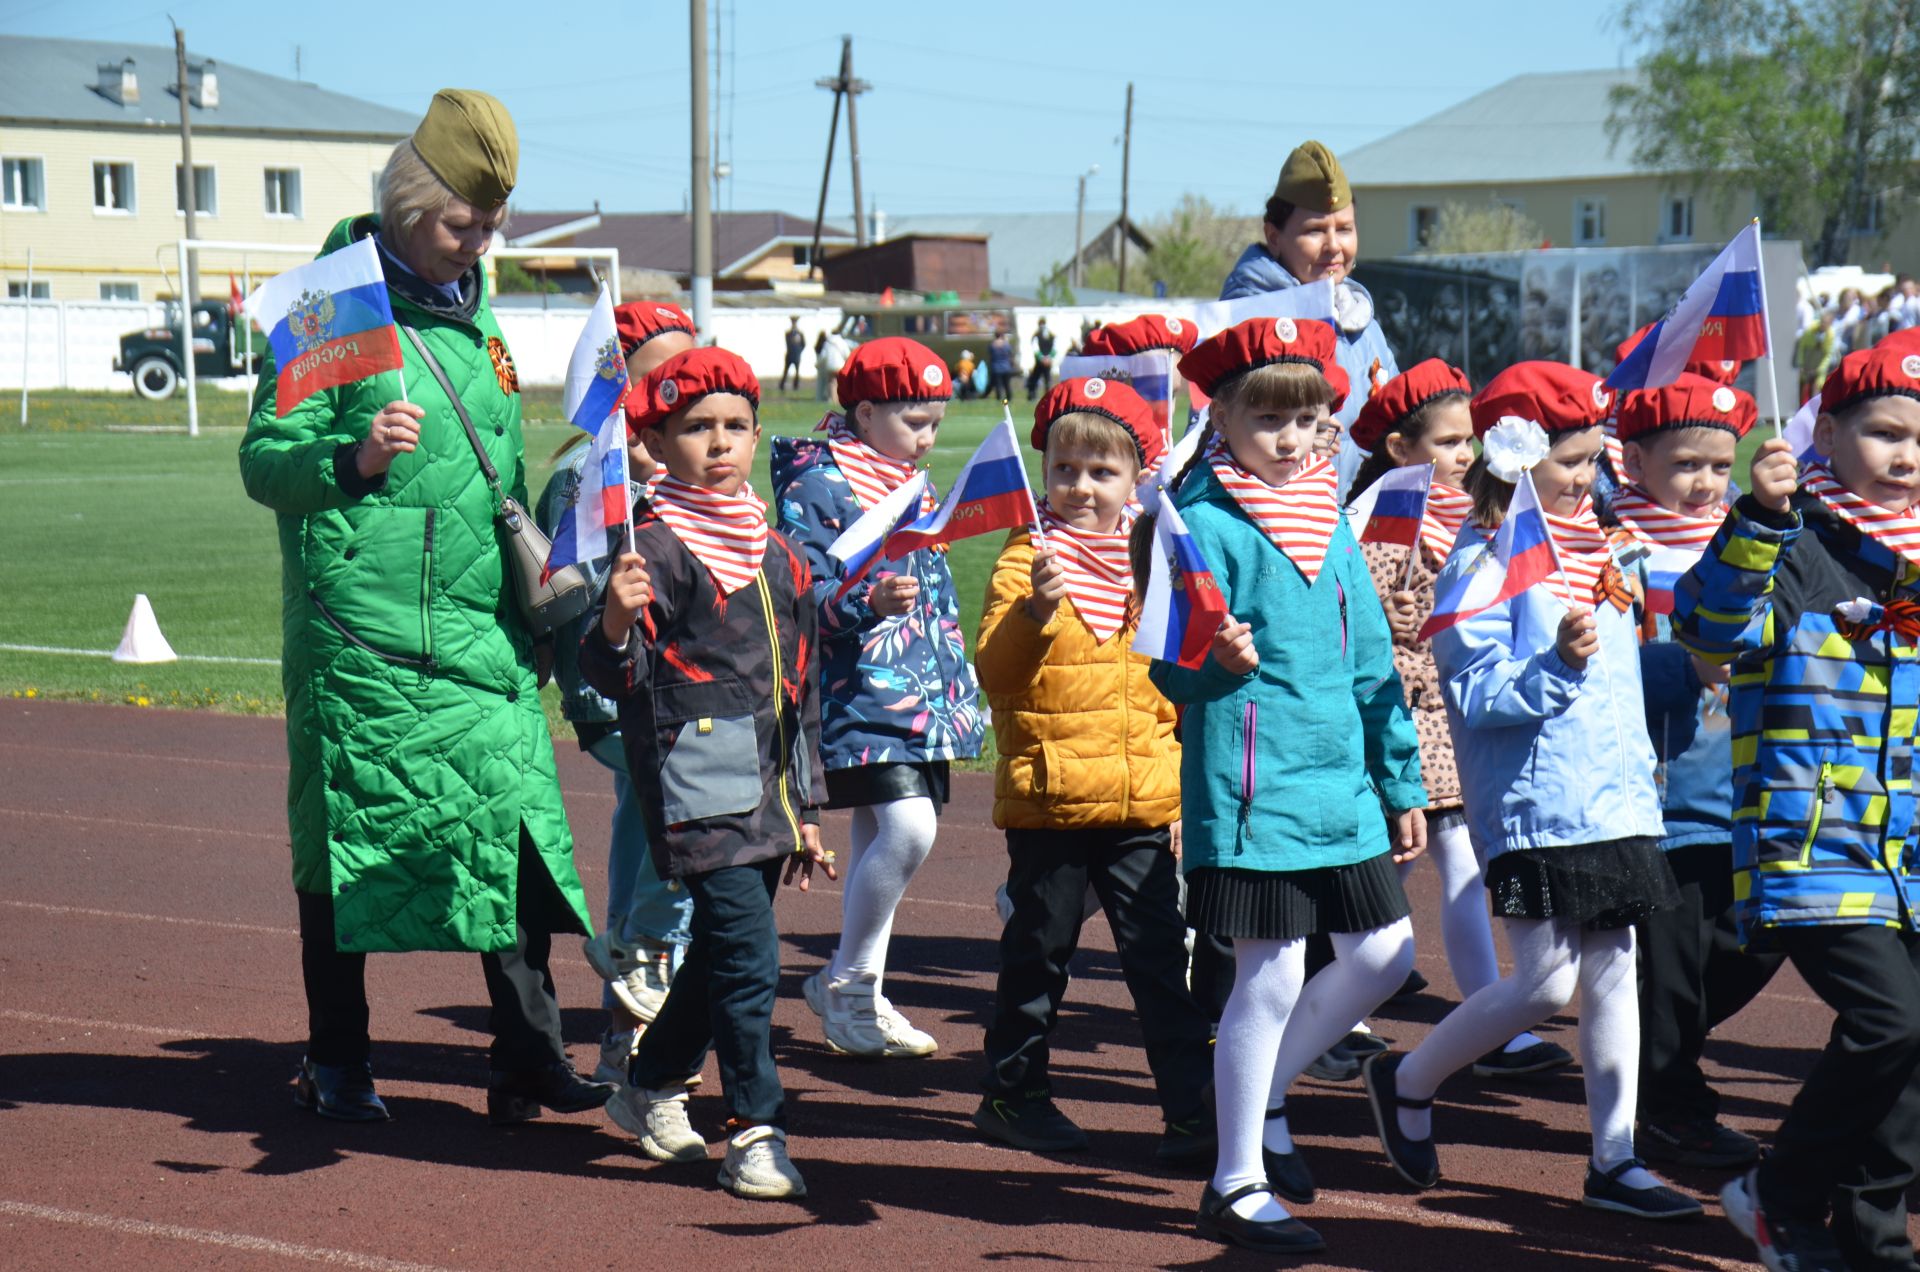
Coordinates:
(1288, 767)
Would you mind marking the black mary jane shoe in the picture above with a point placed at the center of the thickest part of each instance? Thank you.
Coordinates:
(519, 1095)
(1604, 1191)
(343, 1092)
(1218, 1222)
(1414, 1159)
(1287, 1172)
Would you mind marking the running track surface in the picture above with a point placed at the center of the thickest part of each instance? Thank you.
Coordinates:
(152, 1016)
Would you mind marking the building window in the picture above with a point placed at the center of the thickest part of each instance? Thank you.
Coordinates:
(1676, 222)
(283, 192)
(803, 256)
(23, 185)
(113, 187)
(1870, 215)
(17, 290)
(1589, 222)
(206, 192)
(1420, 223)
(119, 291)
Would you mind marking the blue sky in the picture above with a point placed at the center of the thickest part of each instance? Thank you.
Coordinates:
(989, 107)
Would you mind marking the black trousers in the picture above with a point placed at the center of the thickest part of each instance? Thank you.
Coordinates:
(1851, 1140)
(1132, 872)
(722, 997)
(1693, 976)
(1000, 385)
(792, 364)
(525, 1015)
(1040, 379)
(1212, 974)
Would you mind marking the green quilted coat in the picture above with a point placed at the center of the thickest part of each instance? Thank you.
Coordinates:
(417, 742)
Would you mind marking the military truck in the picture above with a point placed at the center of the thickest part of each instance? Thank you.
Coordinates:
(222, 347)
(945, 329)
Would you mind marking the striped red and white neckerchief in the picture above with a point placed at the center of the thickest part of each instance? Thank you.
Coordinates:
(1098, 570)
(1447, 511)
(725, 533)
(1586, 558)
(1299, 517)
(1898, 532)
(1648, 522)
(872, 475)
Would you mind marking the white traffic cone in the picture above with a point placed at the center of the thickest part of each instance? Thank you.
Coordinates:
(142, 641)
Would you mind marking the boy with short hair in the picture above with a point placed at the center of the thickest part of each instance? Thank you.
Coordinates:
(705, 641)
(1811, 596)
(1678, 445)
(1088, 782)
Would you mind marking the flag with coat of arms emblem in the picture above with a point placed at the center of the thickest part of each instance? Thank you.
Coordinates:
(596, 386)
(329, 322)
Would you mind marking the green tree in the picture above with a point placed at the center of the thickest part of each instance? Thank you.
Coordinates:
(1814, 107)
(1489, 227)
(1194, 246)
(514, 278)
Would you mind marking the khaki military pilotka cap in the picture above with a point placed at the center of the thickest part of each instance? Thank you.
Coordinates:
(469, 141)
(1313, 179)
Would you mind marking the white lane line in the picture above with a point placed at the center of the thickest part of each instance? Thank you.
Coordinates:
(142, 825)
(207, 1237)
(108, 653)
(100, 1026)
(77, 911)
(818, 890)
(169, 757)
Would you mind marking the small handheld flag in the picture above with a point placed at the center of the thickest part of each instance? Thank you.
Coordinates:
(991, 493)
(329, 322)
(1391, 510)
(600, 504)
(1148, 374)
(1522, 554)
(596, 370)
(860, 544)
(1720, 317)
(1183, 607)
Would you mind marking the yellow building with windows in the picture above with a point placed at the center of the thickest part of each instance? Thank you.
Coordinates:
(90, 173)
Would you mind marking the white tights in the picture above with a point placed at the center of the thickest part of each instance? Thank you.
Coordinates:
(887, 844)
(1272, 1029)
(1552, 958)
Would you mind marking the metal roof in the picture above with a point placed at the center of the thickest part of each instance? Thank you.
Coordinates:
(53, 81)
(663, 241)
(1545, 127)
(1023, 248)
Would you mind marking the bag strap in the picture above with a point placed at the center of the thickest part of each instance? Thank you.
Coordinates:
(459, 409)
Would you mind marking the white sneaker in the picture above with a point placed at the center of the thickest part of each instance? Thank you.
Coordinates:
(814, 990)
(616, 1053)
(609, 960)
(756, 1165)
(902, 1038)
(852, 1018)
(639, 975)
(658, 1119)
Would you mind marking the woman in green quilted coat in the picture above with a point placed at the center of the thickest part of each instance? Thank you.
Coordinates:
(423, 801)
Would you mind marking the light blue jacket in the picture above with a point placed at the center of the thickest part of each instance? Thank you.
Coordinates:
(1549, 756)
(1288, 767)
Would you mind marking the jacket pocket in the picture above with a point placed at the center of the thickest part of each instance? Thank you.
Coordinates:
(1249, 753)
(712, 770)
(370, 576)
(1823, 788)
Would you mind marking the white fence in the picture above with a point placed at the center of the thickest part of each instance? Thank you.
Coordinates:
(72, 344)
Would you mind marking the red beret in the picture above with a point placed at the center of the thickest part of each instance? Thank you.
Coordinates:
(894, 369)
(1886, 370)
(685, 378)
(1110, 398)
(1336, 377)
(1260, 342)
(1393, 402)
(1692, 401)
(1142, 334)
(639, 321)
(1557, 397)
(1713, 369)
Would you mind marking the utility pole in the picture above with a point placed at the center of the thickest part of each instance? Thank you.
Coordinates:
(1126, 177)
(1080, 221)
(190, 285)
(702, 281)
(826, 175)
(843, 85)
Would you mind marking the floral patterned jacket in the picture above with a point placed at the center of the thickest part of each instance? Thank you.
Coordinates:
(892, 690)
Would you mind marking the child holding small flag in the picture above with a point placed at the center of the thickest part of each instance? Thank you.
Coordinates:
(1087, 785)
(1678, 446)
(1811, 597)
(898, 698)
(1416, 419)
(1543, 695)
(1298, 751)
(705, 641)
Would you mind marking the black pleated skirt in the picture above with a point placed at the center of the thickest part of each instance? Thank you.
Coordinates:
(1283, 905)
(866, 784)
(1611, 884)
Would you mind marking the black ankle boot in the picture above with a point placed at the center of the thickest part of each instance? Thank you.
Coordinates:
(343, 1092)
(518, 1095)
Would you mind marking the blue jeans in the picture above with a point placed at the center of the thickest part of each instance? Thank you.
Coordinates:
(639, 905)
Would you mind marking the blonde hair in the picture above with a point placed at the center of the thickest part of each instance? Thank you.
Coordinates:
(1091, 431)
(410, 191)
(1278, 386)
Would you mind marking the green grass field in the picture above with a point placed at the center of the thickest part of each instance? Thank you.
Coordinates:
(104, 496)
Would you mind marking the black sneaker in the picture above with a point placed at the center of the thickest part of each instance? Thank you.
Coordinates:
(1696, 1142)
(1032, 1122)
(1336, 1064)
(1541, 1057)
(1362, 1043)
(1604, 1191)
(1218, 1222)
(1187, 1144)
(1783, 1244)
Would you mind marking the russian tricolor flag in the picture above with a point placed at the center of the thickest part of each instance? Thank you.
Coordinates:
(1722, 316)
(1664, 568)
(329, 322)
(596, 370)
(596, 383)
(1522, 554)
(991, 493)
(861, 543)
(1148, 374)
(1390, 510)
(1183, 607)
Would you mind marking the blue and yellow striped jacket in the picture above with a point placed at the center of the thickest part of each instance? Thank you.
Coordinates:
(1823, 718)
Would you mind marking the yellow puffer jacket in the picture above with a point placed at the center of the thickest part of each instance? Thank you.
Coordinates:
(1085, 738)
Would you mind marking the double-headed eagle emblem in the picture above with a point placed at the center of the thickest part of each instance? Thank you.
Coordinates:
(310, 319)
(610, 365)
